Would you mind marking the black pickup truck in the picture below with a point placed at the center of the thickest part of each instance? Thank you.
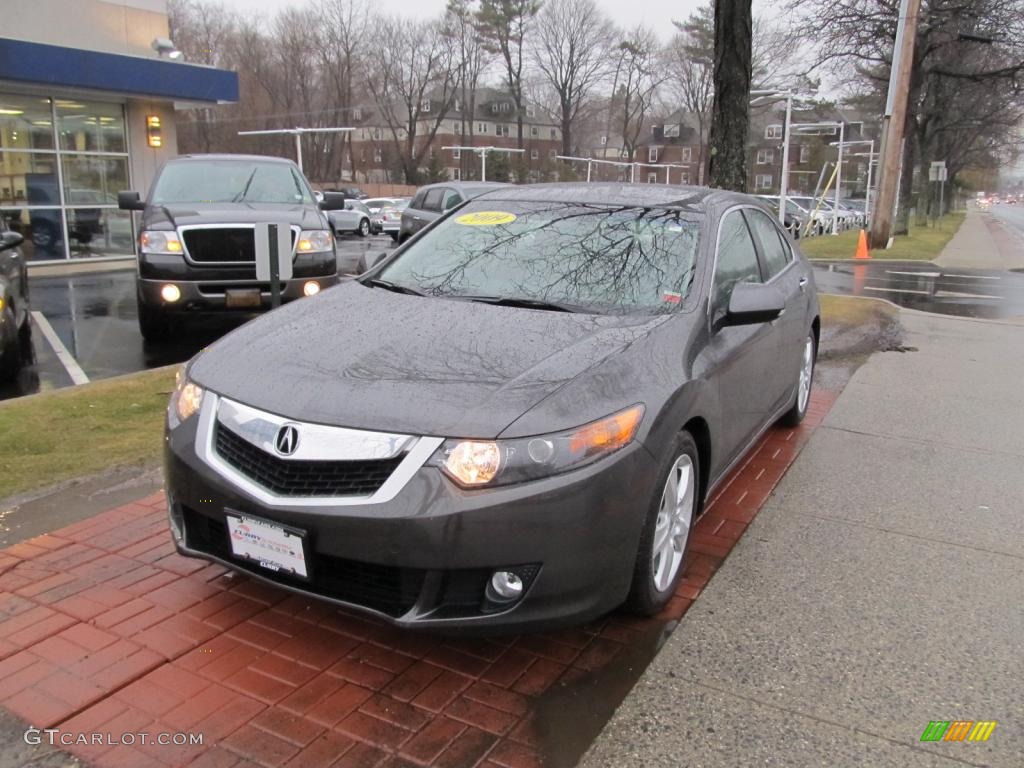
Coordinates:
(196, 244)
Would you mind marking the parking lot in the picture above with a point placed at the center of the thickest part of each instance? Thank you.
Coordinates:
(86, 328)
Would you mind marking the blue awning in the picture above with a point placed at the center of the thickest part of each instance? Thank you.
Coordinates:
(57, 66)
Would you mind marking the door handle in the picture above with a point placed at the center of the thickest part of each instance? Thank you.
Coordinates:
(802, 283)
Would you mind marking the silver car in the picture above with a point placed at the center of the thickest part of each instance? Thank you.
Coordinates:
(355, 219)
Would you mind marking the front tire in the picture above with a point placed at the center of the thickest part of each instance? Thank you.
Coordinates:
(153, 326)
(671, 513)
(804, 382)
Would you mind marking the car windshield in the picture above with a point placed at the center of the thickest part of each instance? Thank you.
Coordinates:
(591, 258)
(230, 181)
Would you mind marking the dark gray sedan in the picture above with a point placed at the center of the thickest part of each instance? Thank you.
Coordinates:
(510, 422)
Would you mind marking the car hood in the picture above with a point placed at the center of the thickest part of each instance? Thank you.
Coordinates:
(184, 214)
(368, 358)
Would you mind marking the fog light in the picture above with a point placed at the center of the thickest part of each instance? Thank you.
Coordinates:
(506, 585)
(170, 293)
(311, 288)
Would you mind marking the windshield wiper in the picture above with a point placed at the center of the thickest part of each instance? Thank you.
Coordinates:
(241, 195)
(376, 282)
(522, 301)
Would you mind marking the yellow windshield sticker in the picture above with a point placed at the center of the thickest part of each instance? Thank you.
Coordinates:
(485, 218)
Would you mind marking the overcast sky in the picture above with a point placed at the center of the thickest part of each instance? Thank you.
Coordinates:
(657, 14)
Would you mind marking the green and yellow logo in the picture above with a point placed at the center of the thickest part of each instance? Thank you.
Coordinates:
(958, 730)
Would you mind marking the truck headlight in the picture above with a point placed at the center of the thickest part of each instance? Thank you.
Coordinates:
(479, 463)
(314, 240)
(154, 241)
(186, 400)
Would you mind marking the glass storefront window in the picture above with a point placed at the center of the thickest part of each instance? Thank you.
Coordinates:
(87, 126)
(25, 122)
(28, 178)
(93, 179)
(42, 229)
(99, 231)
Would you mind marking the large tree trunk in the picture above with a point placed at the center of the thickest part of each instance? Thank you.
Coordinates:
(730, 115)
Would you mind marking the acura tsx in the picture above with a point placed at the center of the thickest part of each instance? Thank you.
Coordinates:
(511, 421)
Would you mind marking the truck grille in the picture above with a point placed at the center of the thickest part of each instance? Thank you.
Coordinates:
(299, 478)
(234, 244)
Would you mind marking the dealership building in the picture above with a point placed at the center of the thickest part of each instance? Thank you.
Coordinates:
(88, 92)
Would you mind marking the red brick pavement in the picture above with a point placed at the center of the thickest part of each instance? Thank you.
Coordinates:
(105, 628)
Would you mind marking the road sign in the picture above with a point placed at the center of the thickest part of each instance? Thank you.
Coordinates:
(937, 171)
(283, 241)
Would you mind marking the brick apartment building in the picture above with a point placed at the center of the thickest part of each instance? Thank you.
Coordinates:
(492, 123)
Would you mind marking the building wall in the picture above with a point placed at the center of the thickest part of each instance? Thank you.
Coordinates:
(144, 160)
(113, 26)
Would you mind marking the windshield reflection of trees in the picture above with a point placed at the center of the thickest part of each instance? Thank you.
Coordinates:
(610, 259)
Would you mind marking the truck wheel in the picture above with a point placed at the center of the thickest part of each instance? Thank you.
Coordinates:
(152, 325)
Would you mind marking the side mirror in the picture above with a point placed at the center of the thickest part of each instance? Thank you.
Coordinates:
(130, 201)
(10, 240)
(333, 201)
(318, 195)
(753, 303)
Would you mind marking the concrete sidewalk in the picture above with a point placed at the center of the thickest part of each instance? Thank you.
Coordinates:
(879, 589)
(983, 242)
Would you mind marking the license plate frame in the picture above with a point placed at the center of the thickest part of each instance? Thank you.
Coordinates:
(265, 543)
(243, 298)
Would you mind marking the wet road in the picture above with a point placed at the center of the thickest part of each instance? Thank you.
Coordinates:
(987, 294)
(93, 316)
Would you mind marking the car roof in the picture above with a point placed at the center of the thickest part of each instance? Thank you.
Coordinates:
(625, 194)
(230, 156)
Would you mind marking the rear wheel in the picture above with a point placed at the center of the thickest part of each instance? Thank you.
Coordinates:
(364, 227)
(665, 540)
(805, 379)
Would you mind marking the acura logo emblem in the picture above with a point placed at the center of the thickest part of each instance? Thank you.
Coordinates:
(287, 440)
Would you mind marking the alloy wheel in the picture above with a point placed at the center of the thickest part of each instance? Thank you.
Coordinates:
(675, 516)
(806, 374)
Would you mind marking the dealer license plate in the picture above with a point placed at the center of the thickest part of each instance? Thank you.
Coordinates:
(271, 546)
(244, 297)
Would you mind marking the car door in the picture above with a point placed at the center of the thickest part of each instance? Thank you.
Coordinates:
(790, 277)
(742, 353)
(433, 205)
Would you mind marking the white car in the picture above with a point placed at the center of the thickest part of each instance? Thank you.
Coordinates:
(355, 219)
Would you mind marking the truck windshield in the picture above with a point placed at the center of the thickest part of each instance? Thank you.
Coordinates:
(230, 181)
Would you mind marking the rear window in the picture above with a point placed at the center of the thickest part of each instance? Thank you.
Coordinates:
(598, 258)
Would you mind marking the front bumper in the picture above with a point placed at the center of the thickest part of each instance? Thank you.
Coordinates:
(423, 557)
(205, 296)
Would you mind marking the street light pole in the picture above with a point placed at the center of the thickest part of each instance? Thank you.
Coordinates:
(784, 178)
(839, 180)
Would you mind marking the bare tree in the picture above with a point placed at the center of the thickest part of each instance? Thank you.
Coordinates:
(570, 50)
(413, 81)
(690, 65)
(472, 60)
(638, 73)
(504, 25)
(730, 112)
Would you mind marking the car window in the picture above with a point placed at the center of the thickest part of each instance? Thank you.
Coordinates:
(432, 202)
(230, 181)
(452, 199)
(776, 255)
(417, 202)
(737, 259)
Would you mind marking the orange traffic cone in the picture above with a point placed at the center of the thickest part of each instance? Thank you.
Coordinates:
(862, 247)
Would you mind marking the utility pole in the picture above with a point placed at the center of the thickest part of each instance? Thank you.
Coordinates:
(893, 122)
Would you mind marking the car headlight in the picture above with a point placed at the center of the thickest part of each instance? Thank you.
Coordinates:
(479, 463)
(160, 242)
(313, 240)
(186, 400)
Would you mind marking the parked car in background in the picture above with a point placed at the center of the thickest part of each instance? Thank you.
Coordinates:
(354, 218)
(353, 192)
(197, 240)
(390, 218)
(794, 221)
(577, 369)
(375, 204)
(434, 200)
(15, 320)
